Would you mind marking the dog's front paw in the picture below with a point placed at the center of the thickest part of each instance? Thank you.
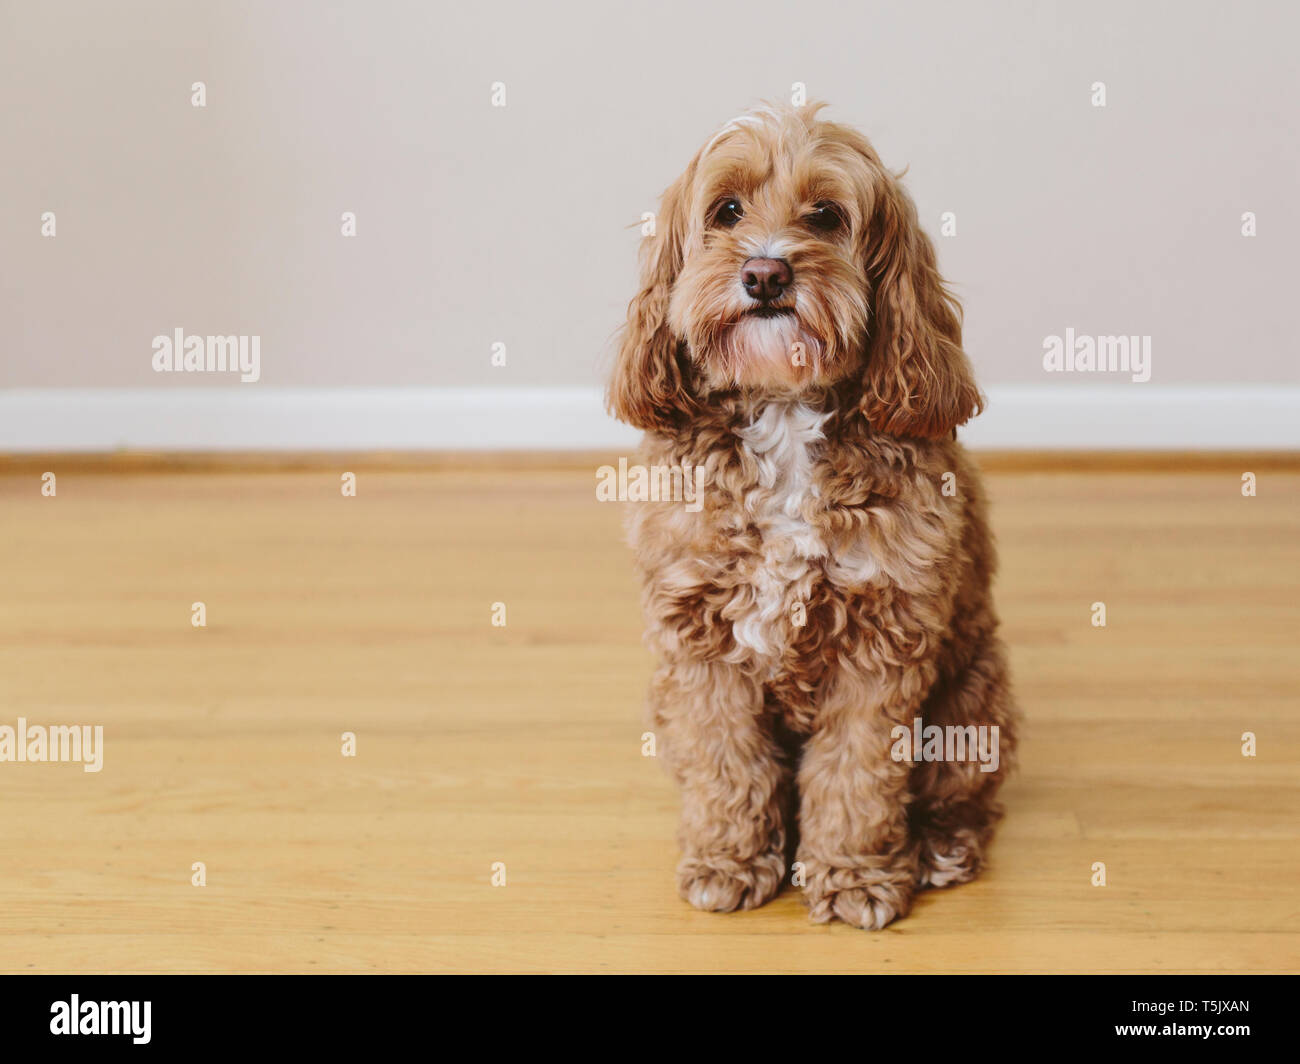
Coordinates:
(949, 858)
(869, 898)
(720, 884)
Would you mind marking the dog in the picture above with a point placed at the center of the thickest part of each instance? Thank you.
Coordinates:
(829, 598)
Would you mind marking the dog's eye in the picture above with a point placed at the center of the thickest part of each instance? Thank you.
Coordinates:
(728, 213)
(825, 217)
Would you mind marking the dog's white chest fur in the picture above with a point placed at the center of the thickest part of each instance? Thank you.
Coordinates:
(781, 439)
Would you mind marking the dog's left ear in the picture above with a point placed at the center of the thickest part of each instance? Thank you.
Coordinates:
(649, 388)
(918, 380)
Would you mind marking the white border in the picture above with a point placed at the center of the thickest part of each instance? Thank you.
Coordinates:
(256, 418)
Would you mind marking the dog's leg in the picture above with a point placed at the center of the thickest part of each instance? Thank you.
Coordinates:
(858, 861)
(718, 744)
(955, 810)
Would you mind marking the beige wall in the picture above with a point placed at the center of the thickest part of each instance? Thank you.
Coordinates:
(479, 225)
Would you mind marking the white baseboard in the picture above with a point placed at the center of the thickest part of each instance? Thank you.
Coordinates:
(253, 418)
(1229, 417)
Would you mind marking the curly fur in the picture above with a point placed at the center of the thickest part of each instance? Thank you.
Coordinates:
(825, 505)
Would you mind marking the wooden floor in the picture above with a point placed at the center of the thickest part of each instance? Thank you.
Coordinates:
(521, 744)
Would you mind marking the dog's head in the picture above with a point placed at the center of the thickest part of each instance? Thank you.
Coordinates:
(787, 257)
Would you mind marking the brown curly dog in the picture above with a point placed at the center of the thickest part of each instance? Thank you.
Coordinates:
(831, 686)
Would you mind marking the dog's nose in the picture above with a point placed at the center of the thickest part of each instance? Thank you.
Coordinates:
(766, 279)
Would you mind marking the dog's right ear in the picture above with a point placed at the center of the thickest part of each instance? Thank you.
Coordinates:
(649, 388)
(918, 379)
